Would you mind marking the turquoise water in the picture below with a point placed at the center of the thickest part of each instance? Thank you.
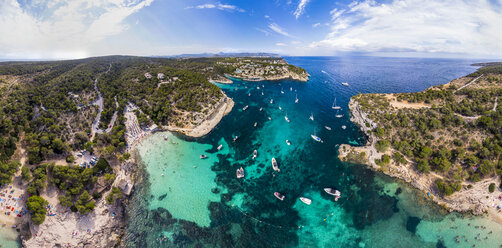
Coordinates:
(9, 237)
(202, 203)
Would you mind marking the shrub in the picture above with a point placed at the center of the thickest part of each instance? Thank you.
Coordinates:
(37, 205)
(491, 188)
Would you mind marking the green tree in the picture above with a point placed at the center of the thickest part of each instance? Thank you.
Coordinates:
(84, 203)
(65, 200)
(37, 205)
(25, 174)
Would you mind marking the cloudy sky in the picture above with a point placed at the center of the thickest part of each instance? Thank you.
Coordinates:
(61, 29)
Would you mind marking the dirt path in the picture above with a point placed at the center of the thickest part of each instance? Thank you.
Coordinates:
(495, 105)
(471, 82)
(95, 125)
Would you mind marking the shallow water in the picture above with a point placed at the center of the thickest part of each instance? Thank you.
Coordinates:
(207, 205)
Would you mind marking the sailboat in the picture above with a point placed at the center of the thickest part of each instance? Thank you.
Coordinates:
(338, 115)
(274, 165)
(255, 153)
(296, 98)
(314, 136)
(311, 116)
(286, 117)
(334, 105)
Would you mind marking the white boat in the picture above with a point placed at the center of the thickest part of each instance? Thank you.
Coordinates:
(279, 196)
(249, 94)
(262, 93)
(306, 200)
(338, 115)
(275, 166)
(288, 142)
(240, 173)
(333, 192)
(314, 136)
(345, 84)
(271, 101)
(286, 117)
(311, 116)
(256, 123)
(343, 127)
(334, 105)
(245, 107)
(203, 156)
(219, 147)
(329, 128)
(280, 108)
(296, 98)
(255, 153)
(257, 87)
(236, 137)
(261, 109)
(269, 118)
(323, 71)
(291, 89)
(282, 91)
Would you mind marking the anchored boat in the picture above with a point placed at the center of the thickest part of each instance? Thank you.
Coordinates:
(279, 196)
(275, 166)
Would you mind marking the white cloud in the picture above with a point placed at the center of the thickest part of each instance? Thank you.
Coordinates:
(276, 28)
(418, 26)
(65, 30)
(315, 25)
(295, 42)
(301, 8)
(281, 44)
(219, 6)
(267, 33)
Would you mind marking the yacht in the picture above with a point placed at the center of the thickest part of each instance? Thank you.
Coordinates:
(255, 153)
(314, 136)
(311, 116)
(296, 98)
(274, 165)
(334, 105)
(288, 142)
(203, 156)
(219, 147)
(240, 173)
(245, 107)
(279, 196)
(329, 128)
(306, 200)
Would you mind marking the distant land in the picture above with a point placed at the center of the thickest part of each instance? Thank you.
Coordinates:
(220, 54)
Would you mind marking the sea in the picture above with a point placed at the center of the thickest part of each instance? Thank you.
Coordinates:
(182, 200)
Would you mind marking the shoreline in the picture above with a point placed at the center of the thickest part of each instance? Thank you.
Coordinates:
(475, 200)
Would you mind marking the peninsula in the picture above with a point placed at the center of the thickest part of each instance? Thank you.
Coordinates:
(446, 141)
(69, 128)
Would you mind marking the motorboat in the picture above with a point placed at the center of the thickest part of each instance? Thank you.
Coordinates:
(306, 200)
(332, 191)
(311, 116)
(316, 138)
(288, 142)
(275, 166)
(286, 117)
(291, 89)
(334, 105)
(257, 87)
(219, 147)
(203, 156)
(256, 123)
(235, 138)
(245, 108)
(271, 101)
(329, 128)
(280, 108)
(269, 118)
(282, 91)
(165, 138)
(255, 153)
(249, 94)
(262, 93)
(338, 115)
(240, 173)
(344, 127)
(296, 98)
(345, 84)
(261, 109)
(279, 196)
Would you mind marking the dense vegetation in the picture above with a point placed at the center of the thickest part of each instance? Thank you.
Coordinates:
(456, 134)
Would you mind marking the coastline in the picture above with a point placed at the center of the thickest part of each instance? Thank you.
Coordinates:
(475, 200)
(288, 76)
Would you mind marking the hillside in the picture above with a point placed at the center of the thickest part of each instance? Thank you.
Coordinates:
(445, 139)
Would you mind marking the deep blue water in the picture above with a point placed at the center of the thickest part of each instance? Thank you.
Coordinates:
(372, 211)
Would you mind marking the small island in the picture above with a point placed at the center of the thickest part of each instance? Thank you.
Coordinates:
(445, 141)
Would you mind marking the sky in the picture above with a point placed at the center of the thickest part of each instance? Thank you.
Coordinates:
(67, 29)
